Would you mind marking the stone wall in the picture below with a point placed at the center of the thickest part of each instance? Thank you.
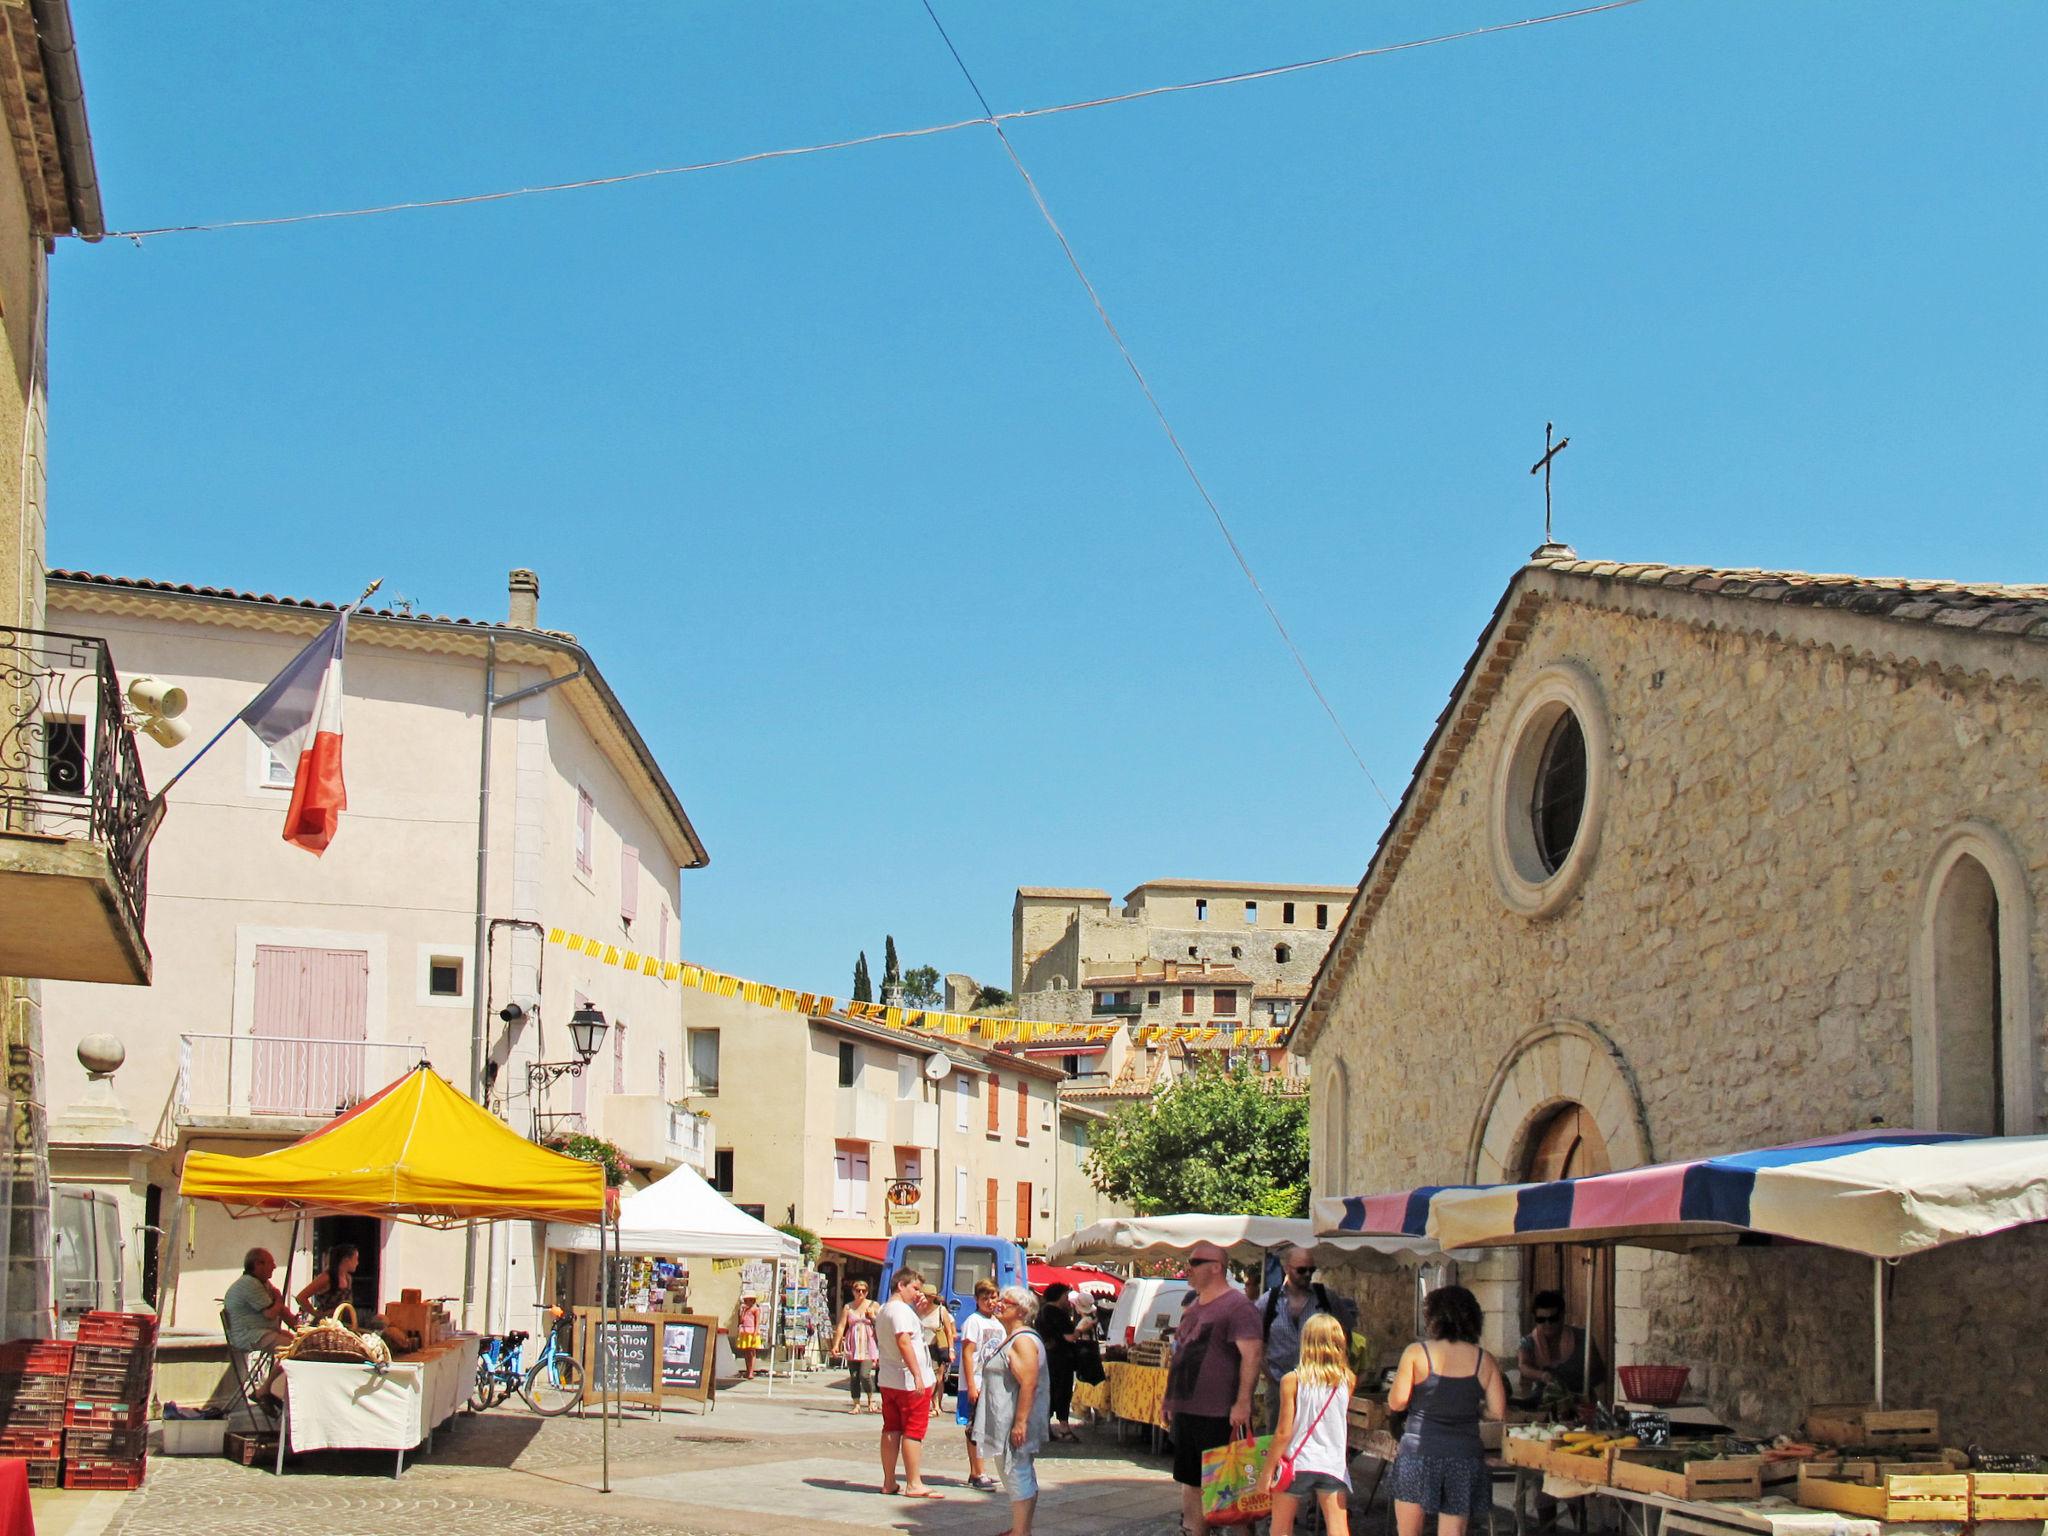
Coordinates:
(1743, 940)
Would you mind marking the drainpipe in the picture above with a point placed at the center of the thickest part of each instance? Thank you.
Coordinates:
(479, 991)
(59, 49)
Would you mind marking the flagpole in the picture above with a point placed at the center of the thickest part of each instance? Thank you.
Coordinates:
(234, 719)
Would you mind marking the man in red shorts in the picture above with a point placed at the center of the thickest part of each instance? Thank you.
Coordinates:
(906, 1377)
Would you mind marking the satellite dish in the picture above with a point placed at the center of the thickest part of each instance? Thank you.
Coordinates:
(938, 1067)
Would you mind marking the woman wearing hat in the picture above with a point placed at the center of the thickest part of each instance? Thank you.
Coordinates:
(747, 1328)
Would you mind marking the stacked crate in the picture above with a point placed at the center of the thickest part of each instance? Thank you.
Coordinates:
(34, 1384)
(106, 1407)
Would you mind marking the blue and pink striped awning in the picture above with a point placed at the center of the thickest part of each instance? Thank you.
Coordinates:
(1882, 1193)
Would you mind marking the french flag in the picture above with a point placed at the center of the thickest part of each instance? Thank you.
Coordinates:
(299, 718)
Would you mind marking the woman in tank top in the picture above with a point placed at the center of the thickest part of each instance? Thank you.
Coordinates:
(857, 1344)
(1446, 1383)
(1315, 1409)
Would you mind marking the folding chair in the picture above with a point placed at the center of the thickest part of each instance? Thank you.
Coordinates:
(251, 1366)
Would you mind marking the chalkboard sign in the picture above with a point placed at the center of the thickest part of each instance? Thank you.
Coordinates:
(644, 1357)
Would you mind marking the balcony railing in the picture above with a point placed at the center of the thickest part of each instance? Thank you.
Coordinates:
(68, 764)
(263, 1076)
(1117, 1010)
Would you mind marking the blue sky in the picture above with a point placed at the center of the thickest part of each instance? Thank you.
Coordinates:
(833, 468)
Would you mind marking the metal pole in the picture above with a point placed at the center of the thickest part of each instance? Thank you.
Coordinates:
(1586, 1344)
(477, 989)
(1877, 1316)
(607, 1363)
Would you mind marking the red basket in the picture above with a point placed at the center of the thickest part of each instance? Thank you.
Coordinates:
(1661, 1385)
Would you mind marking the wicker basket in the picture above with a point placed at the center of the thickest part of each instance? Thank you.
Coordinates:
(333, 1341)
(1660, 1385)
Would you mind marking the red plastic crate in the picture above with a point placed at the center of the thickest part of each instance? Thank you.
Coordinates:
(96, 1415)
(108, 1475)
(48, 1446)
(109, 1445)
(39, 1357)
(116, 1326)
(43, 1472)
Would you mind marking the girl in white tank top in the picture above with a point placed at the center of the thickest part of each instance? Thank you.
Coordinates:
(1315, 1408)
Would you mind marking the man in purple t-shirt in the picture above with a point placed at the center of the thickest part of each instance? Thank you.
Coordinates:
(1216, 1353)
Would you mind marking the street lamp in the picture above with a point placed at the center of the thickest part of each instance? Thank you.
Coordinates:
(587, 1028)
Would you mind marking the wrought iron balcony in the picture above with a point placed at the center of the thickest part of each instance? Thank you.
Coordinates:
(75, 816)
(1128, 1010)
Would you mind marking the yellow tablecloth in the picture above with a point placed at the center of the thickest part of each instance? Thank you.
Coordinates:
(1091, 1396)
(1137, 1392)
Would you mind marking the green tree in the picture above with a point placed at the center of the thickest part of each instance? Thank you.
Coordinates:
(892, 973)
(1221, 1142)
(922, 987)
(863, 989)
(990, 997)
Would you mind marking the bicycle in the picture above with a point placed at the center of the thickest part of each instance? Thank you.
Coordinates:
(552, 1385)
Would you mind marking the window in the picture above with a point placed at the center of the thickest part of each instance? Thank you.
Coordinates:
(1322, 915)
(1023, 1110)
(927, 1261)
(586, 813)
(849, 1063)
(1226, 1002)
(277, 773)
(444, 976)
(1559, 797)
(1191, 951)
(703, 1045)
(1187, 1000)
(618, 1056)
(909, 1166)
(1975, 1043)
(1201, 909)
(971, 1266)
(960, 1197)
(757, 1211)
(1152, 998)
(991, 1207)
(995, 1105)
(1071, 1065)
(963, 1095)
(1282, 953)
(1237, 951)
(64, 756)
(1023, 1211)
(850, 1179)
(629, 884)
(721, 1170)
(1251, 914)
(1286, 914)
(1283, 1014)
(906, 1077)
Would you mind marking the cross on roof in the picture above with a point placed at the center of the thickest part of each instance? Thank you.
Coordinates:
(1550, 451)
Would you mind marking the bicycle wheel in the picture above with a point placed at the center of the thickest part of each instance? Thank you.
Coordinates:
(553, 1386)
(484, 1393)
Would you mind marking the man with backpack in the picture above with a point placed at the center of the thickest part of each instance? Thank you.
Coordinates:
(1286, 1311)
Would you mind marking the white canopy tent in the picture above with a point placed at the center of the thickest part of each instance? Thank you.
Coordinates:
(1243, 1238)
(680, 1216)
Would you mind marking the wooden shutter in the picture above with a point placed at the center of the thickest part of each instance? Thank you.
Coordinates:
(1023, 1212)
(1023, 1110)
(995, 1108)
(629, 882)
(1187, 1000)
(992, 1207)
(311, 1017)
(860, 1181)
(586, 812)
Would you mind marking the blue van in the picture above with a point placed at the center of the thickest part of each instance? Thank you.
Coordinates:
(954, 1264)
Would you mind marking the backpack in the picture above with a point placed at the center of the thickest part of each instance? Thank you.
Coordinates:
(1323, 1304)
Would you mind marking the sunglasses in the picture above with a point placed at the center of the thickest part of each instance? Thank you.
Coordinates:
(1549, 1317)
(1193, 1262)
(1302, 1269)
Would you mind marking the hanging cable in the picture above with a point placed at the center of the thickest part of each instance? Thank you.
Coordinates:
(992, 119)
(1158, 410)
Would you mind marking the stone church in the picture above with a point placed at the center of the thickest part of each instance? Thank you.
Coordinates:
(1703, 860)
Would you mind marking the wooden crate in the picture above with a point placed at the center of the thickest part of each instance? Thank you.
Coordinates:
(1651, 1471)
(1886, 1490)
(1524, 1451)
(1865, 1424)
(252, 1448)
(2009, 1496)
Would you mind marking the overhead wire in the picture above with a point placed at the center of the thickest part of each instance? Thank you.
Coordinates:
(990, 119)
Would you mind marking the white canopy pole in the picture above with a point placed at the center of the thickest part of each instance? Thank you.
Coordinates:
(609, 1333)
(1877, 1315)
(774, 1318)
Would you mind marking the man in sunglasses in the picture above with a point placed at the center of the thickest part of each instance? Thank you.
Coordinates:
(1553, 1354)
(1216, 1352)
(1289, 1306)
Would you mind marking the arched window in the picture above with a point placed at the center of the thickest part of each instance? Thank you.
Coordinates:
(1973, 1048)
(1336, 1175)
(1282, 953)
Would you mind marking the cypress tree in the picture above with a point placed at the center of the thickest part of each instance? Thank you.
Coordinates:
(892, 973)
(863, 989)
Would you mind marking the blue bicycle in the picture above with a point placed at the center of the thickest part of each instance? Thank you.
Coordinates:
(552, 1385)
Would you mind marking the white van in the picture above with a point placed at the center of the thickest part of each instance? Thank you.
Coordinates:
(1145, 1310)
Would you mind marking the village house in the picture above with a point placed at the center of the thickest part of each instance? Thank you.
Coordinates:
(287, 986)
(1703, 860)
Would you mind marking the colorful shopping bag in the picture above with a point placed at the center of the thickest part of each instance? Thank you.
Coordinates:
(1229, 1474)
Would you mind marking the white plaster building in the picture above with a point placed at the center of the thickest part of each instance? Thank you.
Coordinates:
(289, 985)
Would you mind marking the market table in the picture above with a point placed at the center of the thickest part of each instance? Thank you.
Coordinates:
(1137, 1393)
(16, 1517)
(1662, 1515)
(333, 1406)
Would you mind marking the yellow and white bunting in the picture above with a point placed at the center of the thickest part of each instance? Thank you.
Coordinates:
(988, 1031)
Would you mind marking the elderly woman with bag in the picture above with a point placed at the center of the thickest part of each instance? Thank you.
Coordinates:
(1010, 1421)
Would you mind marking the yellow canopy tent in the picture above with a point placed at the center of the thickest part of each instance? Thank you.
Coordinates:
(417, 1151)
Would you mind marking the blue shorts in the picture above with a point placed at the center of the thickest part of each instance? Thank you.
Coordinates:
(1020, 1474)
(1311, 1485)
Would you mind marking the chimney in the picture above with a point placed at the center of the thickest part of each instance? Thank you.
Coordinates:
(525, 590)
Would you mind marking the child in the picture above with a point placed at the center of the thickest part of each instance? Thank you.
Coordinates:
(748, 1327)
(1315, 1406)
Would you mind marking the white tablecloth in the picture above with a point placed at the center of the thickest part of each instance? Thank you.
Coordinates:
(351, 1407)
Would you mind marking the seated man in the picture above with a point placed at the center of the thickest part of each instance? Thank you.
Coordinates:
(1554, 1355)
(256, 1313)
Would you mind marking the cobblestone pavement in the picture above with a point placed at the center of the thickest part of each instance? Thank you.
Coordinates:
(753, 1467)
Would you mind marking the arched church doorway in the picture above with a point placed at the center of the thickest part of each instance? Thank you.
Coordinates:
(1568, 1144)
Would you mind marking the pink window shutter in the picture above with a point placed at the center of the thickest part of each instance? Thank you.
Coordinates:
(629, 882)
